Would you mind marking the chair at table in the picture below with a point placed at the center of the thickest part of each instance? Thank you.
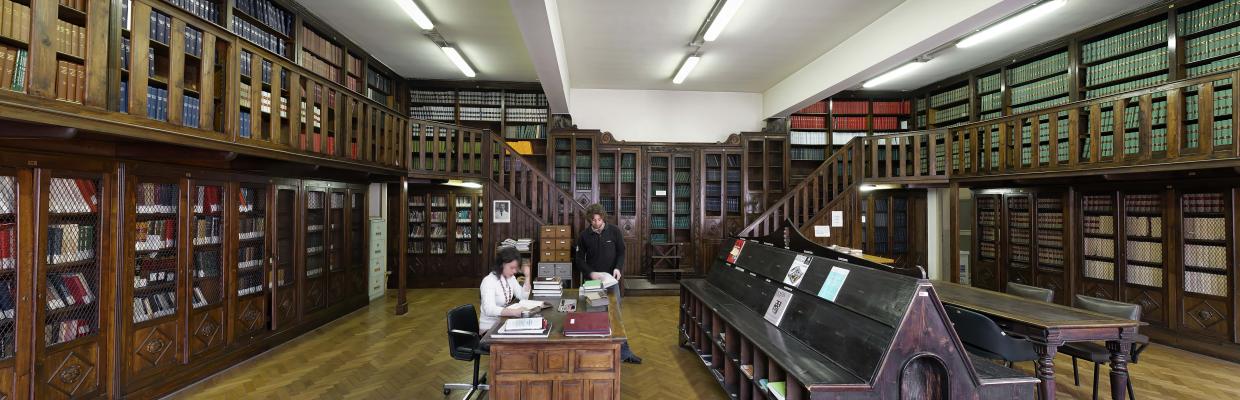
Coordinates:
(1097, 352)
(983, 337)
(1030, 292)
(464, 344)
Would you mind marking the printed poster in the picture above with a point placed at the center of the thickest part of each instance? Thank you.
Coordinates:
(779, 304)
(835, 281)
(796, 272)
(736, 251)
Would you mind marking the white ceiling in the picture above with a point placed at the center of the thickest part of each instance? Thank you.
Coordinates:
(1072, 17)
(638, 44)
(485, 32)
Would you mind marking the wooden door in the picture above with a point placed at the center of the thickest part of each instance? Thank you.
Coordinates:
(284, 270)
(208, 201)
(153, 307)
(338, 280)
(984, 271)
(252, 260)
(314, 248)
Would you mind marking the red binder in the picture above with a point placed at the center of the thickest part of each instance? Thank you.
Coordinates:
(596, 323)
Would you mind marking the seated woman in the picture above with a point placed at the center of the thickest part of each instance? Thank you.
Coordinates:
(500, 288)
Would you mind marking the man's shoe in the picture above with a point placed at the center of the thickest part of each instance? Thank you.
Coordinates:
(633, 359)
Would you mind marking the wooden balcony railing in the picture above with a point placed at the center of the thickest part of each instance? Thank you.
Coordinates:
(837, 175)
(444, 149)
(906, 156)
(529, 186)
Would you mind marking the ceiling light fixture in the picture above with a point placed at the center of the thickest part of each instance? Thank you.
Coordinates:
(1012, 23)
(456, 58)
(686, 68)
(721, 19)
(416, 13)
(895, 73)
(464, 184)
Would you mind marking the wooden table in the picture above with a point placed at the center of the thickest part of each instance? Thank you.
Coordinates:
(1049, 326)
(557, 366)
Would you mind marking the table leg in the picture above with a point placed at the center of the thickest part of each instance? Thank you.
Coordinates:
(1044, 367)
(1119, 368)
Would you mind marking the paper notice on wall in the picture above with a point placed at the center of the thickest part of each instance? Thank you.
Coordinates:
(837, 219)
(779, 303)
(822, 231)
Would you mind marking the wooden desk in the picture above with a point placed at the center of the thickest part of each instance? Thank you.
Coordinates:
(877, 259)
(557, 367)
(1050, 325)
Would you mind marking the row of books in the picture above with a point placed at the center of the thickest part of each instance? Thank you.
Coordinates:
(155, 235)
(807, 122)
(15, 20)
(208, 199)
(1099, 269)
(433, 113)
(7, 303)
(251, 228)
(1124, 42)
(1126, 86)
(525, 115)
(205, 9)
(1054, 64)
(1203, 202)
(68, 243)
(8, 246)
(804, 153)
(986, 250)
(207, 264)
(70, 81)
(481, 114)
(144, 276)
(193, 41)
(1099, 224)
(258, 36)
(1216, 14)
(1097, 203)
(483, 98)
(816, 108)
(146, 308)
(950, 96)
(993, 101)
(1150, 252)
(201, 299)
(432, 96)
(13, 66)
(1146, 203)
(249, 284)
(1127, 67)
(191, 109)
(1144, 226)
(464, 247)
(1213, 45)
(849, 123)
(525, 132)
(892, 107)
(317, 65)
(66, 331)
(156, 198)
(157, 103)
(8, 194)
(1057, 86)
(1206, 283)
(1222, 104)
(988, 83)
(64, 290)
(243, 124)
(250, 257)
(889, 123)
(1098, 247)
(322, 48)
(1205, 228)
(70, 39)
(464, 232)
(850, 107)
(161, 27)
(207, 230)
(378, 81)
(1203, 256)
(1144, 275)
(268, 13)
(953, 113)
(525, 99)
(248, 199)
(1050, 220)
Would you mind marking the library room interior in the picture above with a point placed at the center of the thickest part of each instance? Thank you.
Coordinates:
(638, 199)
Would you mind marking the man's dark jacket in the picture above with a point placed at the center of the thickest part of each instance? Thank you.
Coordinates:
(599, 252)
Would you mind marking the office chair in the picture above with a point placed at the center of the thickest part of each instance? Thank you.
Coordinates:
(983, 337)
(1030, 292)
(464, 344)
(1097, 351)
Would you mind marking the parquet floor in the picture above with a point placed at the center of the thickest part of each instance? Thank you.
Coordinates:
(372, 354)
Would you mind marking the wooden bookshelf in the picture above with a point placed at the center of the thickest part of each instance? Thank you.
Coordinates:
(208, 200)
(517, 111)
(766, 169)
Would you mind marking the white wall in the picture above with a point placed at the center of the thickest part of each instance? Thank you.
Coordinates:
(666, 115)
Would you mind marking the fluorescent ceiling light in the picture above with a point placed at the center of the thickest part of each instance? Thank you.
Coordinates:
(464, 184)
(685, 69)
(893, 74)
(1012, 23)
(456, 58)
(416, 13)
(721, 20)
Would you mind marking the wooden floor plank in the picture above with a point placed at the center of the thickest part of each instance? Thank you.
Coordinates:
(372, 354)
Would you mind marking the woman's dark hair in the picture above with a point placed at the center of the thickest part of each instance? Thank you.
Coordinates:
(503, 256)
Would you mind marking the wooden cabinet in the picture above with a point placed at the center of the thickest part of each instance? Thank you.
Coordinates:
(1207, 220)
(250, 314)
(209, 216)
(672, 230)
(984, 271)
(766, 170)
(284, 296)
(620, 182)
(720, 191)
(314, 248)
(895, 225)
(445, 240)
(154, 247)
(572, 163)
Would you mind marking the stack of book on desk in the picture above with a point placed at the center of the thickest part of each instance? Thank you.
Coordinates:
(547, 287)
(596, 323)
(535, 327)
(522, 244)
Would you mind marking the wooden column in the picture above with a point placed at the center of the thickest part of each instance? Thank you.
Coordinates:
(402, 264)
(953, 223)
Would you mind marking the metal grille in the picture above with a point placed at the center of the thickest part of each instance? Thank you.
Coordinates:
(155, 251)
(285, 201)
(1099, 270)
(8, 266)
(1205, 228)
(314, 234)
(1205, 283)
(252, 208)
(208, 231)
(1147, 276)
(337, 232)
(1098, 247)
(72, 267)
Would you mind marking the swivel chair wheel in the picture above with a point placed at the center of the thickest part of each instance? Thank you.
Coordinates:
(447, 392)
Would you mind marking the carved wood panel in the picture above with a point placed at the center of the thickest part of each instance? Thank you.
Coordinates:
(251, 317)
(337, 287)
(1053, 280)
(985, 275)
(316, 294)
(1102, 290)
(70, 373)
(1020, 275)
(1205, 316)
(1153, 303)
(286, 307)
(153, 349)
(7, 381)
(206, 331)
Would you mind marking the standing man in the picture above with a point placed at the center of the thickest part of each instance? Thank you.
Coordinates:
(600, 250)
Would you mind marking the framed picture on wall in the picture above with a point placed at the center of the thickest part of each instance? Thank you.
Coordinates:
(502, 213)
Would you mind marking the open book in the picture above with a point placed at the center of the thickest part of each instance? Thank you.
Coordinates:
(527, 305)
(606, 281)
